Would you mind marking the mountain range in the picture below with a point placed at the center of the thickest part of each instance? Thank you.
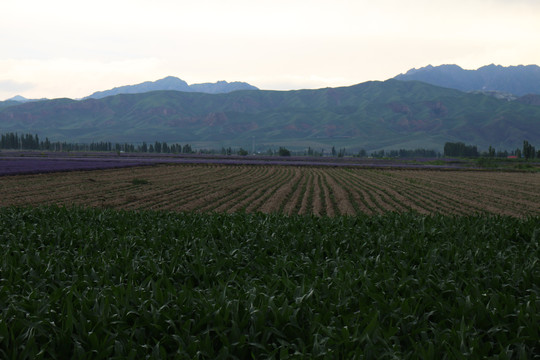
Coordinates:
(373, 115)
(174, 83)
(515, 80)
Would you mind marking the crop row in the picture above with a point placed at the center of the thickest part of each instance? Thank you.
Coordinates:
(287, 189)
(100, 283)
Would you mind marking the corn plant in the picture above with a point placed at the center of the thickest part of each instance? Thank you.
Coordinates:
(91, 284)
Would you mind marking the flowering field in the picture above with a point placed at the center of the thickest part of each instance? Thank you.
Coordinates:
(32, 162)
(319, 190)
(36, 165)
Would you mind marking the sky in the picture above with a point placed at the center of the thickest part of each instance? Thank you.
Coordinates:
(72, 48)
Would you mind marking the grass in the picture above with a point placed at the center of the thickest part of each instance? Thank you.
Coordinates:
(138, 181)
(90, 283)
(508, 165)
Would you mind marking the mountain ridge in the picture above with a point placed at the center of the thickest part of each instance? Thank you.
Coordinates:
(371, 115)
(518, 80)
(22, 99)
(173, 83)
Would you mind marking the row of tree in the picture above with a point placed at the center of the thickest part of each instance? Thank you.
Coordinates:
(14, 141)
(403, 153)
(451, 149)
(459, 149)
(32, 142)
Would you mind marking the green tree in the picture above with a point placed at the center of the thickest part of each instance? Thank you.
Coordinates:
(460, 149)
(186, 149)
(284, 152)
(528, 150)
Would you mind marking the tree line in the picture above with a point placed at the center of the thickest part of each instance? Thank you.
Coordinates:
(459, 149)
(451, 149)
(32, 142)
(404, 153)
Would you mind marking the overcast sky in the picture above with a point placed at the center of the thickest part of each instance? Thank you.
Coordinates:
(71, 48)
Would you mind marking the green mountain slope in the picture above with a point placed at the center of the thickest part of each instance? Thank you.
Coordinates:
(371, 115)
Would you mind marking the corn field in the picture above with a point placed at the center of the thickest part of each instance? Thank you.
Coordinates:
(209, 261)
(107, 284)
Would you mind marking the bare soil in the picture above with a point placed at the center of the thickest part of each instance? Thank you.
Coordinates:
(272, 188)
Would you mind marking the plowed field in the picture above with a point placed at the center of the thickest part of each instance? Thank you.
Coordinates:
(286, 189)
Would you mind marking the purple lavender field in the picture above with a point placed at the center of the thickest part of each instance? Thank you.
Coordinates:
(15, 163)
(36, 165)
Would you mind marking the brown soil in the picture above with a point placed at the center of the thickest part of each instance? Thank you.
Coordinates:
(271, 188)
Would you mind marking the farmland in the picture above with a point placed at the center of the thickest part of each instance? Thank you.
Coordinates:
(260, 260)
(93, 283)
(323, 191)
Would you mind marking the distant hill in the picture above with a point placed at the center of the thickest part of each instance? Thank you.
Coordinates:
(518, 80)
(22, 99)
(373, 115)
(173, 83)
(531, 99)
(17, 100)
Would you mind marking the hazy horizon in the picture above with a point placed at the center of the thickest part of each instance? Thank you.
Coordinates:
(230, 81)
(71, 49)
